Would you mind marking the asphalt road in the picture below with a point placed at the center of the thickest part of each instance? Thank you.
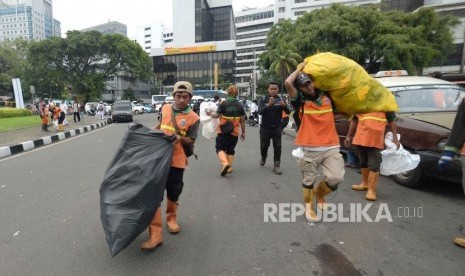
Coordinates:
(50, 219)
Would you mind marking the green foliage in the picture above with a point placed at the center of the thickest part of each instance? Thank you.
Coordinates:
(12, 63)
(8, 112)
(397, 40)
(129, 95)
(82, 60)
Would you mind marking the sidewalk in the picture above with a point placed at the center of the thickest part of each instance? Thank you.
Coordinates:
(16, 141)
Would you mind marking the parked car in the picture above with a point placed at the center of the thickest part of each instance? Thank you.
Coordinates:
(148, 108)
(427, 108)
(108, 108)
(137, 108)
(122, 111)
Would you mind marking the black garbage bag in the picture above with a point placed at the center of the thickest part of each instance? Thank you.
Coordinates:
(133, 186)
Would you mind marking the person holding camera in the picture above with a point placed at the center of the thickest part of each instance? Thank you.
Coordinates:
(271, 109)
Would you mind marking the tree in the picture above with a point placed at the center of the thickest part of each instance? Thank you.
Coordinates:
(129, 95)
(363, 33)
(83, 60)
(284, 62)
(12, 63)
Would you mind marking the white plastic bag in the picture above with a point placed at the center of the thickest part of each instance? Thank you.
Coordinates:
(209, 124)
(209, 129)
(397, 161)
(55, 123)
(298, 153)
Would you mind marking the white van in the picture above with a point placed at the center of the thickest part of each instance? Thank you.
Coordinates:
(169, 99)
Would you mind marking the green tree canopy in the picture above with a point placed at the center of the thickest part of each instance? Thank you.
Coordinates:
(12, 63)
(396, 40)
(83, 60)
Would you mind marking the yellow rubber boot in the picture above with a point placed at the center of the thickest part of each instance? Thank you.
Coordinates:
(460, 242)
(372, 183)
(364, 185)
(230, 162)
(171, 208)
(155, 233)
(321, 191)
(309, 199)
(224, 162)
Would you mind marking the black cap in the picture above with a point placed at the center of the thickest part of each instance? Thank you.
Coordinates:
(302, 79)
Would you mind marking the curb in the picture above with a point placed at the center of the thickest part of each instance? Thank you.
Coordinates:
(47, 140)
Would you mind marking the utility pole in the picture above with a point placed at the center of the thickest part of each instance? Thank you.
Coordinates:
(254, 77)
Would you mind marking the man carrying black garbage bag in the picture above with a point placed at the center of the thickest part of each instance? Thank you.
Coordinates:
(176, 119)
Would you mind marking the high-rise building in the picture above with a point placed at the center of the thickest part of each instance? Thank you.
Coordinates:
(292, 9)
(111, 27)
(27, 19)
(252, 26)
(203, 46)
(150, 36)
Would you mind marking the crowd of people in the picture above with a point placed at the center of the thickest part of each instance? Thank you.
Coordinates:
(316, 136)
(53, 113)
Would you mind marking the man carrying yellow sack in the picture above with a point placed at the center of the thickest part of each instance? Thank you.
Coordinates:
(369, 139)
(352, 89)
(318, 138)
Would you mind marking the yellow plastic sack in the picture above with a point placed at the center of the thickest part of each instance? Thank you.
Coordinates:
(350, 87)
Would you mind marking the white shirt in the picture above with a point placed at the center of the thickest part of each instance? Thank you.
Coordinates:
(253, 107)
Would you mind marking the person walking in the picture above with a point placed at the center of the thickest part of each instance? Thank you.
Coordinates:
(76, 111)
(318, 139)
(231, 114)
(61, 114)
(100, 110)
(271, 108)
(369, 131)
(176, 119)
(455, 146)
(44, 113)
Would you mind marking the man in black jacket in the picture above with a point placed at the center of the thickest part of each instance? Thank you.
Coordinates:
(271, 108)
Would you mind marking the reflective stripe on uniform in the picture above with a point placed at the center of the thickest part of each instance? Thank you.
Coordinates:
(317, 111)
(231, 118)
(372, 118)
(170, 128)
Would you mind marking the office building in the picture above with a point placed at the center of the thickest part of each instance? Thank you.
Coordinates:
(203, 47)
(111, 27)
(150, 36)
(292, 9)
(27, 19)
(252, 26)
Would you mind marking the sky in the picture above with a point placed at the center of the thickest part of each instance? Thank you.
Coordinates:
(81, 14)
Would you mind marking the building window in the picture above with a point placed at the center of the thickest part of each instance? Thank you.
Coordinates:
(281, 9)
(300, 1)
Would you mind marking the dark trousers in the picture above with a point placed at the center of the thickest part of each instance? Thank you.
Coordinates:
(78, 116)
(265, 136)
(61, 118)
(174, 184)
(284, 123)
(226, 143)
(369, 158)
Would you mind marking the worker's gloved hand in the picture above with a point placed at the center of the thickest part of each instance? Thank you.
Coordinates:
(446, 160)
